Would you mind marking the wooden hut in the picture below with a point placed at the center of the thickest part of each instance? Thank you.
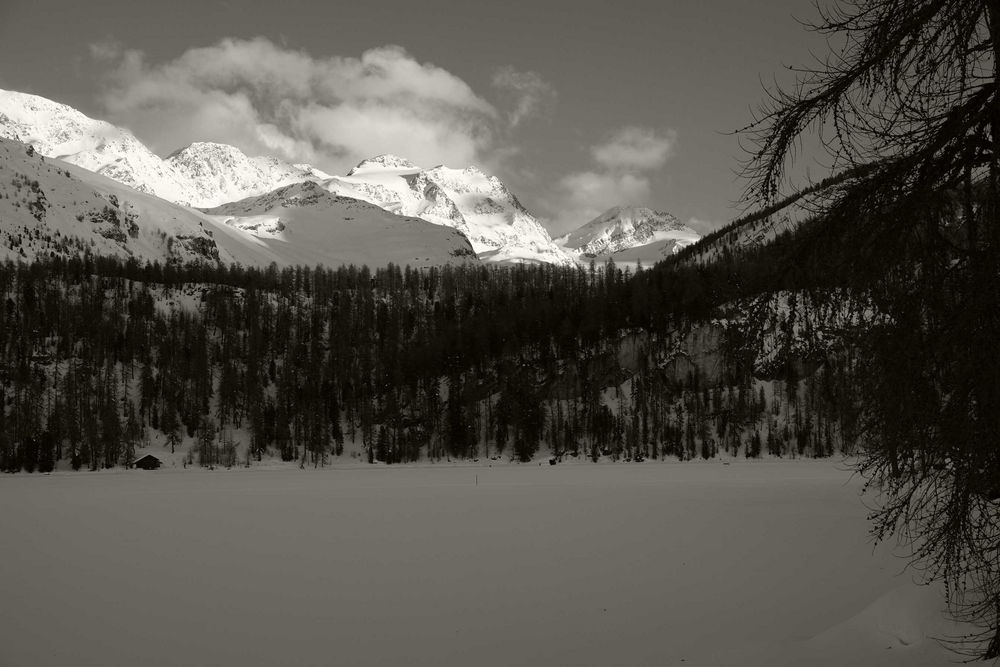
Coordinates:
(147, 462)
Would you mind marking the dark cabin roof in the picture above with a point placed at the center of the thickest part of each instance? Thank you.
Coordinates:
(147, 462)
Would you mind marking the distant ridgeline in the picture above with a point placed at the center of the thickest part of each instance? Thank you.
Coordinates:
(104, 359)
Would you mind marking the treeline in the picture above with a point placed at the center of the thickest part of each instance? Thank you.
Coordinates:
(450, 362)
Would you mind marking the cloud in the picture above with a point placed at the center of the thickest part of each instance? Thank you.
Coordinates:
(105, 51)
(703, 227)
(588, 194)
(372, 128)
(269, 99)
(619, 177)
(635, 149)
(527, 92)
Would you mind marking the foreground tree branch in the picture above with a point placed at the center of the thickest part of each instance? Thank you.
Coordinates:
(909, 102)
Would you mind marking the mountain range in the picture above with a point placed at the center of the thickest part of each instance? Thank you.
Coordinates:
(244, 193)
(202, 174)
(49, 207)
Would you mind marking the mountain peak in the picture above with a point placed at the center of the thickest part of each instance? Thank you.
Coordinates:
(466, 199)
(632, 212)
(204, 147)
(28, 103)
(626, 227)
(222, 173)
(383, 162)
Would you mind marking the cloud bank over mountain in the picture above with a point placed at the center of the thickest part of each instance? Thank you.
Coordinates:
(635, 149)
(620, 173)
(528, 93)
(333, 111)
(269, 99)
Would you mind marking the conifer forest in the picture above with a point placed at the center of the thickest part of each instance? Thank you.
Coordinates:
(103, 356)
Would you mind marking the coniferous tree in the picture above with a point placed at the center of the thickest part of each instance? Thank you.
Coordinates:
(912, 94)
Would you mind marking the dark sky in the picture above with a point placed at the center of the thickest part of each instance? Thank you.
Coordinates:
(576, 104)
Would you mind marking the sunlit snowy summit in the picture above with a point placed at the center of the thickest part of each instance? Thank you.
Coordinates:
(628, 234)
(220, 173)
(476, 203)
(202, 174)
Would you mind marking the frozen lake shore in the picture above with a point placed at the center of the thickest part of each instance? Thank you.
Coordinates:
(755, 563)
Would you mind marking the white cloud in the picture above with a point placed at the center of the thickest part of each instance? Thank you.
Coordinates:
(703, 227)
(620, 176)
(585, 195)
(105, 50)
(527, 92)
(635, 149)
(370, 129)
(267, 99)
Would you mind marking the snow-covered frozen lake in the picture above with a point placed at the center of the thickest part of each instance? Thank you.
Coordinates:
(763, 563)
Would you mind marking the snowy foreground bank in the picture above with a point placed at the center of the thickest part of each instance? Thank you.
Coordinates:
(761, 563)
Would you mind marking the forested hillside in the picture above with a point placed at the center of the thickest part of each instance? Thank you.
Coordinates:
(102, 358)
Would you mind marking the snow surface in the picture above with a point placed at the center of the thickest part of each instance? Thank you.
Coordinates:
(753, 563)
(73, 201)
(317, 227)
(59, 131)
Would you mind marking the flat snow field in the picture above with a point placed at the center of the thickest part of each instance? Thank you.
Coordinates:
(763, 563)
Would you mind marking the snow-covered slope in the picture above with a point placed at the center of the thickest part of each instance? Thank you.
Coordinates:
(219, 173)
(60, 131)
(628, 234)
(202, 174)
(50, 207)
(314, 226)
(469, 200)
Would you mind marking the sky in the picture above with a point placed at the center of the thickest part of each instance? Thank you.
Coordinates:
(578, 105)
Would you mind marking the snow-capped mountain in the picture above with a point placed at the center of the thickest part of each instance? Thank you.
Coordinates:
(207, 175)
(203, 174)
(219, 173)
(314, 226)
(381, 163)
(49, 207)
(477, 204)
(59, 131)
(629, 234)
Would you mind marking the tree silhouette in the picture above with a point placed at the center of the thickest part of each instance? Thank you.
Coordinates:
(908, 107)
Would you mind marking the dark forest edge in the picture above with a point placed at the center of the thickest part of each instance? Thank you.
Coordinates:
(679, 361)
